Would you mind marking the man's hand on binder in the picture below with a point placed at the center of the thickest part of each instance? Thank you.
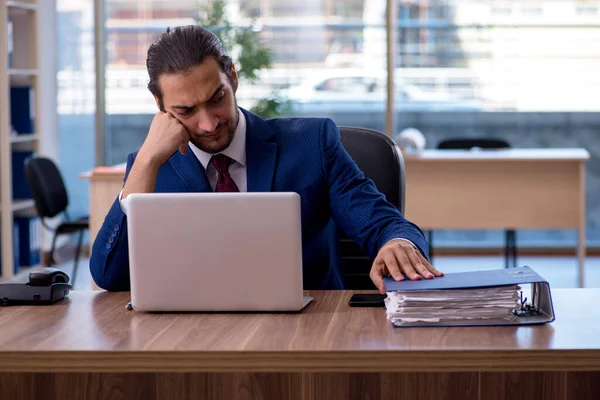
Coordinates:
(399, 257)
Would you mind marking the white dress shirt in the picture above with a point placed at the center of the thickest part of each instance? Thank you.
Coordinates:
(236, 151)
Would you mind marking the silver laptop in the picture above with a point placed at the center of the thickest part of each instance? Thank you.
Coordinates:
(215, 252)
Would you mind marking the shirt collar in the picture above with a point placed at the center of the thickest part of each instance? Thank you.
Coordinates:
(236, 150)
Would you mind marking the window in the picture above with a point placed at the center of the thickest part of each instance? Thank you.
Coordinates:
(301, 50)
(461, 69)
(501, 11)
(76, 98)
(586, 10)
(532, 11)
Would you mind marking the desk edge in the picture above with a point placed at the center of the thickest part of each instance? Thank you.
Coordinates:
(301, 361)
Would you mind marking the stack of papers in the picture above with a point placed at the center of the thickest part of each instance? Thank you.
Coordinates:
(453, 306)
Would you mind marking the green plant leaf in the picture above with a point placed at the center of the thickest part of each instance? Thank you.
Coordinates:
(272, 106)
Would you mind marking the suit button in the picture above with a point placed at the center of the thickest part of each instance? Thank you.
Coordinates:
(116, 228)
(111, 240)
(114, 234)
(108, 246)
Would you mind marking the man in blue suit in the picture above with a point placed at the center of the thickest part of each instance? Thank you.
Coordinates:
(201, 141)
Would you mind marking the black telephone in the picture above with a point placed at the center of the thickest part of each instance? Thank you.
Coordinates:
(45, 286)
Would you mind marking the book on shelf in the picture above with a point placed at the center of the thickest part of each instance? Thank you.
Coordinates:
(16, 253)
(22, 109)
(30, 234)
(20, 188)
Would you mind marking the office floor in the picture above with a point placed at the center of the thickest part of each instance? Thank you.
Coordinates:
(561, 272)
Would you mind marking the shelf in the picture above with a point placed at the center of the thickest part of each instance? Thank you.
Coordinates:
(24, 138)
(21, 5)
(22, 72)
(22, 205)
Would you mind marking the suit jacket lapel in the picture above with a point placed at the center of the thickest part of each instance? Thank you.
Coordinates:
(190, 171)
(261, 154)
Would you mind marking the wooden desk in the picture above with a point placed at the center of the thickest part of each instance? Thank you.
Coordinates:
(90, 347)
(499, 189)
(105, 185)
(503, 189)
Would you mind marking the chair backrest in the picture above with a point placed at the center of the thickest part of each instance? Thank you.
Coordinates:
(380, 159)
(469, 143)
(47, 186)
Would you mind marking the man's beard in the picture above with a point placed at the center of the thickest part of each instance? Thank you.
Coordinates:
(229, 134)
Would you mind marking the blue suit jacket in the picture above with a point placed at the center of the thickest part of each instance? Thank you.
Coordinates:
(302, 155)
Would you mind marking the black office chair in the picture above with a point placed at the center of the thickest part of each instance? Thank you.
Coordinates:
(471, 143)
(510, 245)
(50, 196)
(380, 159)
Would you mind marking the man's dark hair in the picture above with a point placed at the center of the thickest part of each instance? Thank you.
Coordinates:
(180, 49)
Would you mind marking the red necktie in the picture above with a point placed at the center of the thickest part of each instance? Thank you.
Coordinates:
(225, 182)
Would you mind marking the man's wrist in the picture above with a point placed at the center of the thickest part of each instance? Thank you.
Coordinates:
(406, 240)
(145, 162)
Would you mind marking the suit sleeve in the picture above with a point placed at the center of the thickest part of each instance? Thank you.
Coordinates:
(109, 262)
(357, 207)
